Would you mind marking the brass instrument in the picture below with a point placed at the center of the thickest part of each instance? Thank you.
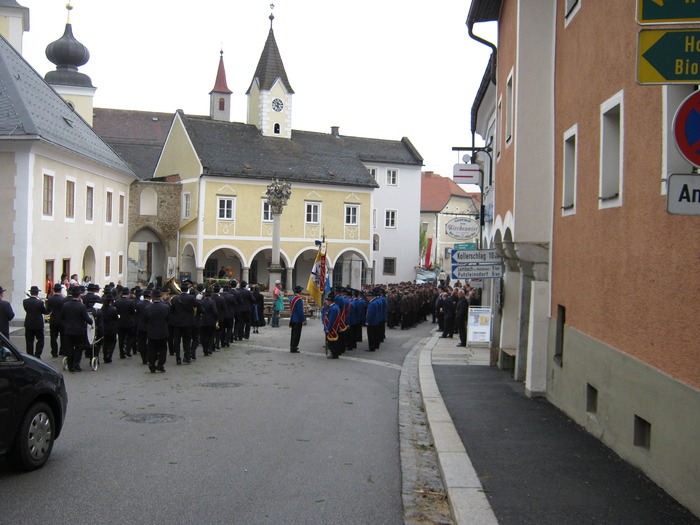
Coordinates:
(173, 285)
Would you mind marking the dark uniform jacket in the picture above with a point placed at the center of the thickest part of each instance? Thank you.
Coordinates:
(75, 318)
(54, 305)
(184, 308)
(210, 314)
(462, 310)
(127, 312)
(157, 319)
(141, 324)
(6, 315)
(36, 309)
(110, 320)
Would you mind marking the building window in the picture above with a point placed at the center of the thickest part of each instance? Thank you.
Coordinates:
(267, 211)
(47, 208)
(611, 150)
(108, 208)
(89, 203)
(389, 266)
(222, 104)
(390, 219)
(148, 202)
(424, 227)
(108, 266)
(120, 264)
(571, 8)
(568, 201)
(313, 213)
(351, 215)
(448, 254)
(392, 177)
(499, 127)
(509, 109)
(559, 335)
(277, 129)
(70, 199)
(225, 208)
(373, 172)
(374, 218)
(186, 204)
(375, 242)
(122, 203)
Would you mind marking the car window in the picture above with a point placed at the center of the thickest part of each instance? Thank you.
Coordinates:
(7, 355)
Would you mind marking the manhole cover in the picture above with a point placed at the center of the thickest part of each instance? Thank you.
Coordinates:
(152, 418)
(221, 384)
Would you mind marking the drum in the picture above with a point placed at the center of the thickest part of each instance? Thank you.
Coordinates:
(91, 329)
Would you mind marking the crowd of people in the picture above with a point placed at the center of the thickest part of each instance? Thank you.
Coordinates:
(151, 323)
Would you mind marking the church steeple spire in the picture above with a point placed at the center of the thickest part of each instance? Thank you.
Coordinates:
(220, 96)
(270, 93)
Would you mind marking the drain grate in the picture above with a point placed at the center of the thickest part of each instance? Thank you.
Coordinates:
(221, 384)
(152, 418)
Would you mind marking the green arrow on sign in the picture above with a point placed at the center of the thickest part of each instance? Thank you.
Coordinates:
(676, 55)
(660, 11)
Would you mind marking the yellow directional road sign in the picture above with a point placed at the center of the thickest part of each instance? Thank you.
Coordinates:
(667, 11)
(668, 56)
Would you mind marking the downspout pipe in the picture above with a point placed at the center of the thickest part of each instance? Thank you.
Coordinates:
(494, 49)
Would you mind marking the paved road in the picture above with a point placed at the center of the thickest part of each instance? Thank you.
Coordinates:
(249, 435)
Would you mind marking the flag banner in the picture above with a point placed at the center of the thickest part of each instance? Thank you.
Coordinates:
(318, 278)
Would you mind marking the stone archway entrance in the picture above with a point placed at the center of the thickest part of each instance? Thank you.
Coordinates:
(147, 261)
(226, 259)
(350, 270)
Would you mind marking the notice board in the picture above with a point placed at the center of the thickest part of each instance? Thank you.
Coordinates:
(479, 324)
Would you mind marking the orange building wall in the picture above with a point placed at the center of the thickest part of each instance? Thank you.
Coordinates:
(628, 276)
(507, 36)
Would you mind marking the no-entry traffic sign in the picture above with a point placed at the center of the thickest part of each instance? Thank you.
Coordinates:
(686, 128)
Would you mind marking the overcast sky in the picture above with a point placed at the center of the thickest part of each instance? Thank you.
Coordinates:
(375, 68)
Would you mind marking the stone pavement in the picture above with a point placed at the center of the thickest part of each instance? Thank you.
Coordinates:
(509, 459)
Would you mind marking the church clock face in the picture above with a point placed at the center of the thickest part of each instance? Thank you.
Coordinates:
(277, 105)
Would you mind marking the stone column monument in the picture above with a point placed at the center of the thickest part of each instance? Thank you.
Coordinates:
(278, 194)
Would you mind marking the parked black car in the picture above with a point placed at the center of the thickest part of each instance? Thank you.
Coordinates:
(33, 402)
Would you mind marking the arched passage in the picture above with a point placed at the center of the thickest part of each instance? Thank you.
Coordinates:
(89, 263)
(147, 261)
(350, 270)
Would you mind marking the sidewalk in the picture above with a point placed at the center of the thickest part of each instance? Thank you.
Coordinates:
(510, 459)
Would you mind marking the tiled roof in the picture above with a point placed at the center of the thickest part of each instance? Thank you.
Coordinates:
(138, 136)
(29, 107)
(233, 149)
(484, 11)
(436, 192)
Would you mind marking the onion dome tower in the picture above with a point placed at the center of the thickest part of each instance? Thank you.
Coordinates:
(68, 55)
(220, 96)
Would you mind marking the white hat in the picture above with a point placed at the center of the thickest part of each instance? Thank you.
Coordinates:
(278, 281)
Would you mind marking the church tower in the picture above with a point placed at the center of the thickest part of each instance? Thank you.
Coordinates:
(220, 96)
(270, 94)
(68, 55)
(14, 21)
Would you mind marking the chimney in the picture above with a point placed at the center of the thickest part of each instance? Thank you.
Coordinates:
(335, 131)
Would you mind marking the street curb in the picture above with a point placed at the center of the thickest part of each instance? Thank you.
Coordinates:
(465, 494)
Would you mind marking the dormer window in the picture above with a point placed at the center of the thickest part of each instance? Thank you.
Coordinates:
(277, 129)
